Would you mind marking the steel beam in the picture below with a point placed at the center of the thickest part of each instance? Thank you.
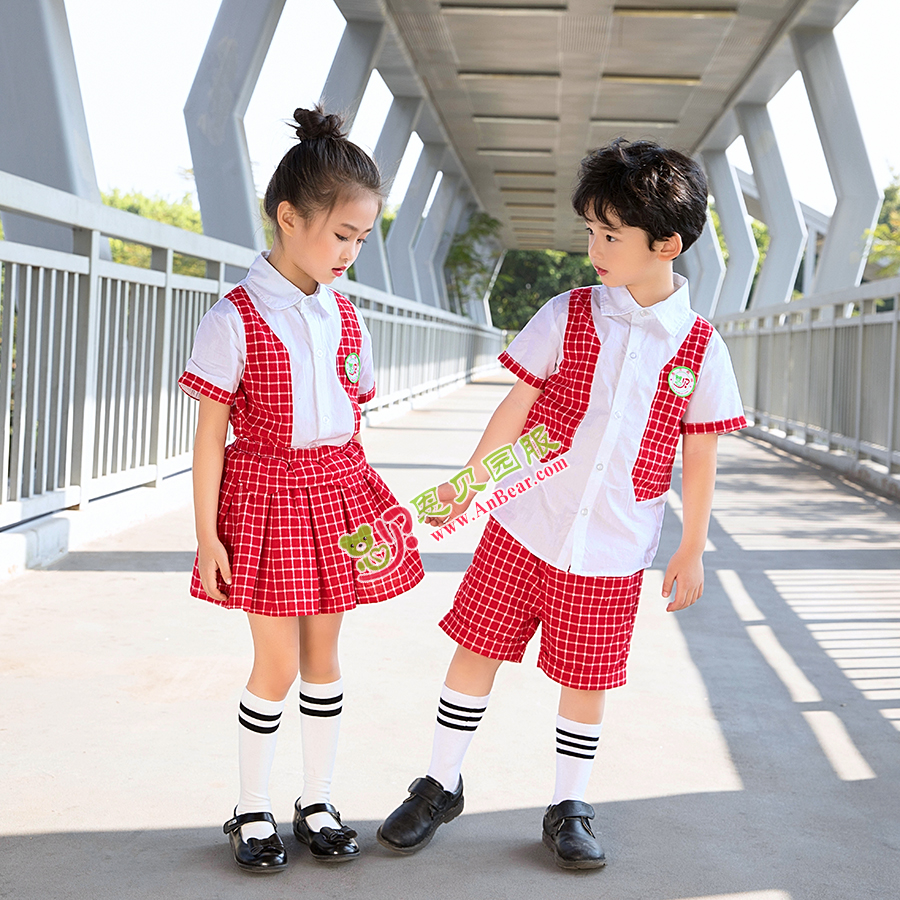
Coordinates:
(705, 291)
(743, 254)
(44, 134)
(781, 212)
(849, 236)
(426, 244)
(214, 115)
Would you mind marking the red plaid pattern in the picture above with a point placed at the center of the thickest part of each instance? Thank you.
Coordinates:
(567, 392)
(586, 622)
(652, 472)
(196, 388)
(283, 510)
(520, 371)
(351, 342)
(722, 426)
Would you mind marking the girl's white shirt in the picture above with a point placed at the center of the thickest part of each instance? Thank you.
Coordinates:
(309, 326)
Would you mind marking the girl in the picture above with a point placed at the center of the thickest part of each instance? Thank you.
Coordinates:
(286, 361)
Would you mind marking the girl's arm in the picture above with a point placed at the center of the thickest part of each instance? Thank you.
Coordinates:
(698, 479)
(505, 427)
(209, 455)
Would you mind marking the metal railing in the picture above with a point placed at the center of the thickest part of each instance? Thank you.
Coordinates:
(823, 370)
(90, 352)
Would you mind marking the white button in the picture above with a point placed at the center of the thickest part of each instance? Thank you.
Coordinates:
(325, 419)
(318, 352)
(618, 415)
(645, 313)
(584, 512)
(634, 355)
(599, 467)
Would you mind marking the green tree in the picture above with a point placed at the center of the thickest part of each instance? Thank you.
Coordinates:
(181, 213)
(471, 259)
(886, 234)
(529, 278)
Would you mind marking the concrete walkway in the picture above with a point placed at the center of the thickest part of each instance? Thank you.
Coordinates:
(754, 753)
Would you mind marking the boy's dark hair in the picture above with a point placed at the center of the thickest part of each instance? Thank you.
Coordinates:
(322, 169)
(645, 186)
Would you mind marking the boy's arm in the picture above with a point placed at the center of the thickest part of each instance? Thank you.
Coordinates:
(698, 457)
(209, 455)
(505, 427)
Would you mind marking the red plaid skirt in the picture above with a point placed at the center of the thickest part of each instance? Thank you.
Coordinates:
(586, 621)
(281, 515)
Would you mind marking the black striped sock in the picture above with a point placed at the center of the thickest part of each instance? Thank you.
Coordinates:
(458, 716)
(576, 747)
(582, 746)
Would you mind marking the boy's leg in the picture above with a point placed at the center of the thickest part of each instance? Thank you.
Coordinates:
(438, 797)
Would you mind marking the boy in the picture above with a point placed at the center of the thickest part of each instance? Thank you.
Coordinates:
(609, 377)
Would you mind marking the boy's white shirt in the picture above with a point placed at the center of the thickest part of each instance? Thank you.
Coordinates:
(585, 518)
(309, 326)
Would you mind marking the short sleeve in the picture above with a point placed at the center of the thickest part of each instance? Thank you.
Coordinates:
(217, 360)
(366, 363)
(536, 351)
(715, 406)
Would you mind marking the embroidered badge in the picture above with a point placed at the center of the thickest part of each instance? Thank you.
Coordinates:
(351, 367)
(682, 381)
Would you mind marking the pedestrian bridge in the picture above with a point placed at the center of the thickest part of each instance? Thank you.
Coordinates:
(753, 754)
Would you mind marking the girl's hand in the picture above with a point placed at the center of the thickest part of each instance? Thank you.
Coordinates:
(446, 494)
(213, 558)
(686, 570)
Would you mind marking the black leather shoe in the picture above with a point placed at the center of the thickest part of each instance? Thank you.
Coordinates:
(413, 823)
(256, 854)
(567, 832)
(328, 844)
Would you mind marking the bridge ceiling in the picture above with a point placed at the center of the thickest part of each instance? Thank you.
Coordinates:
(522, 89)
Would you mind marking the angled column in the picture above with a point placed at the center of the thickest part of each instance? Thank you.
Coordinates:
(743, 253)
(705, 292)
(352, 67)
(43, 131)
(456, 222)
(688, 265)
(781, 212)
(426, 244)
(214, 115)
(847, 242)
(405, 226)
(371, 266)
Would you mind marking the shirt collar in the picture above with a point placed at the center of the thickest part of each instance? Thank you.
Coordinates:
(274, 290)
(672, 313)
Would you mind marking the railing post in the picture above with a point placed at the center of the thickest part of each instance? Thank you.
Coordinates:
(86, 243)
(161, 259)
(860, 344)
(892, 386)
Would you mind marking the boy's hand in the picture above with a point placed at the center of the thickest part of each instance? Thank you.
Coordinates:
(685, 569)
(446, 494)
(212, 558)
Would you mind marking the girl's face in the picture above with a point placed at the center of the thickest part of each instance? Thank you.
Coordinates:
(309, 253)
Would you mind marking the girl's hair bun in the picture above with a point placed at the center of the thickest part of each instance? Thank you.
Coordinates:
(315, 124)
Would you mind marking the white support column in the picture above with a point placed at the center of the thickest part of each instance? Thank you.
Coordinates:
(705, 293)
(456, 222)
(405, 226)
(810, 260)
(742, 250)
(847, 243)
(688, 265)
(371, 266)
(352, 67)
(43, 130)
(214, 115)
(426, 245)
(781, 212)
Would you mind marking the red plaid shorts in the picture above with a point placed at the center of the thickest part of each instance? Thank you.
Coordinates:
(586, 621)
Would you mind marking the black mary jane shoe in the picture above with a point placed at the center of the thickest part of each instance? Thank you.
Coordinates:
(256, 854)
(413, 823)
(327, 844)
(567, 832)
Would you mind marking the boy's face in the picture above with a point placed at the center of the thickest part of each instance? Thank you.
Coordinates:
(621, 254)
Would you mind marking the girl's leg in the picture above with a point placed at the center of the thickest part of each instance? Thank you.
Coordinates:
(321, 703)
(275, 643)
(463, 701)
(577, 736)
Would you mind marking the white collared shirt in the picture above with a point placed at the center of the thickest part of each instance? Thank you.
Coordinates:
(585, 518)
(310, 329)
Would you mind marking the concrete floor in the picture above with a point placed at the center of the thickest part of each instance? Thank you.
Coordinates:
(754, 753)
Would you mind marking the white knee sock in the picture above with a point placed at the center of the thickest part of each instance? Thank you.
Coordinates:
(320, 725)
(576, 746)
(457, 718)
(258, 722)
